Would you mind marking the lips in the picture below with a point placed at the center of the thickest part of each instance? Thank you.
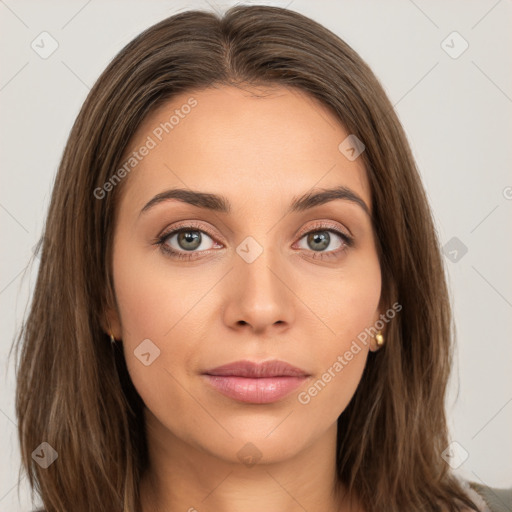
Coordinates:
(258, 370)
(257, 383)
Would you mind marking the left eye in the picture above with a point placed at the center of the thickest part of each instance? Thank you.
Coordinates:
(320, 240)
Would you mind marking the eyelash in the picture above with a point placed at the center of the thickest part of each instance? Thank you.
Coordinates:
(192, 226)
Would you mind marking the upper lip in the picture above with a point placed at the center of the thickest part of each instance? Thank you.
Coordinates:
(274, 368)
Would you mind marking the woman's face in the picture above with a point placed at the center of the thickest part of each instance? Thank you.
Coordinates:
(250, 281)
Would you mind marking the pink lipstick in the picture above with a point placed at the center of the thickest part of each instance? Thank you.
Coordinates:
(257, 383)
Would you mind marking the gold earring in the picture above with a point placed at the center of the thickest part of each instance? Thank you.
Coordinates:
(112, 339)
(380, 339)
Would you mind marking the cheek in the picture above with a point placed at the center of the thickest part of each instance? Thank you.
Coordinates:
(329, 393)
(145, 317)
(150, 301)
(351, 307)
(160, 306)
(345, 303)
(360, 295)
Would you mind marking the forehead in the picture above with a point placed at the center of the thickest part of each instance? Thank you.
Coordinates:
(254, 145)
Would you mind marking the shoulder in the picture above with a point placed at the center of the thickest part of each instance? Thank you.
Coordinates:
(491, 499)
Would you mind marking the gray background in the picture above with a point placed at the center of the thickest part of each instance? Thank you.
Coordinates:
(457, 115)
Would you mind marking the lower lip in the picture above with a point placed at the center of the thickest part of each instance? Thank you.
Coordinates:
(257, 391)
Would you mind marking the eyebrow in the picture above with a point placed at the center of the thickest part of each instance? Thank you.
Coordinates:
(221, 204)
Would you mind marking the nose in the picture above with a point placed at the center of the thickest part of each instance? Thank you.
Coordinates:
(259, 297)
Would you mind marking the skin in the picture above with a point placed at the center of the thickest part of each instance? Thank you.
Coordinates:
(259, 152)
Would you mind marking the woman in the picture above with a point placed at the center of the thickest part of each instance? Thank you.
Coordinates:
(241, 301)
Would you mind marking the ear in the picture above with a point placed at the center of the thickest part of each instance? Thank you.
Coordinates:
(111, 323)
(373, 342)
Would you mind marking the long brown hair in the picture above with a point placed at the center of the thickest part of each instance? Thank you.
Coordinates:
(73, 388)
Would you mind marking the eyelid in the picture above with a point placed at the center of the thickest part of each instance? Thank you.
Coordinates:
(318, 224)
(324, 225)
(184, 225)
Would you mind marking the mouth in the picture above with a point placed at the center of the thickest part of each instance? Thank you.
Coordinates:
(257, 383)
